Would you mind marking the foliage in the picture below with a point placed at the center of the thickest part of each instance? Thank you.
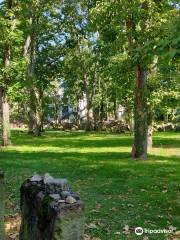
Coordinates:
(83, 46)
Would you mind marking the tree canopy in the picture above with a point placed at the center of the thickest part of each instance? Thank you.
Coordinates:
(110, 52)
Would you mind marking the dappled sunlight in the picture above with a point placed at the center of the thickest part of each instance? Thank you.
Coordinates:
(100, 167)
(12, 226)
(171, 152)
(69, 149)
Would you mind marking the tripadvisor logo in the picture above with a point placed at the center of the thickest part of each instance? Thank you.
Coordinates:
(139, 231)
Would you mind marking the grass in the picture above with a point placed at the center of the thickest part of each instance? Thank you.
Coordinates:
(117, 191)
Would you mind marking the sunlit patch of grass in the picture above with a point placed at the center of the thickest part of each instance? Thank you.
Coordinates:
(117, 190)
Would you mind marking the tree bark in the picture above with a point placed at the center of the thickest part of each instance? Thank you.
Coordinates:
(150, 127)
(140, 115)
(130, 119)
(31, 117)
(5, 113)
(5, 118)
(88, 115)
(115, 109)
(32, 95)
(38, 122)
(151, 107)
(6, 132)
(37, 128)
(34, 123)
(88, 100)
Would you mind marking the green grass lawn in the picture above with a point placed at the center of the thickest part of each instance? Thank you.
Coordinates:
(117, 190)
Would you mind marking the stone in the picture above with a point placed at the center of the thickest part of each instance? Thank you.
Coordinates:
(76, 196)
(55, 185)
(55, 196)
(36, 178)
(61, 201)
(65, 194)
(70, 200)
(47, 178)
(45, 215)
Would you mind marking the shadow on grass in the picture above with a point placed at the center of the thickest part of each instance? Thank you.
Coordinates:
(130, 192)
(166, 143)
(73, 140)
(90, 140)
(76, 164)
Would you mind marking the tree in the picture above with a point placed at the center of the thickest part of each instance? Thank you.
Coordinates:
(10, 36)
(39, 18)
(81, 59)
(138, 24)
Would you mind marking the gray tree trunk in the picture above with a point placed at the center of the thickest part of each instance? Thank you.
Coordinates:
(150, 115)
(6, 132)
(140, 115)
(130, 119)
(115, 108)
(88, 122)
(5, 118)
(150, 127)
(34, 121)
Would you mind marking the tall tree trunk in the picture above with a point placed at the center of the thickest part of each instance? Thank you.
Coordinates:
(6, 132)
(39, 112)
(42, 111)
(31, 117)
(89, 93)
(88, 101)
(37, 127)
(30, 122)
(5, 118)
(56, 112)
(115, 109)
(78, 117)
(107, 110)
(101, 111)
(88, 116)
(140, 115)
(32, 94)
(150, 129)
(30, 104)
(151, 107)
(130, 119)
(34, 121)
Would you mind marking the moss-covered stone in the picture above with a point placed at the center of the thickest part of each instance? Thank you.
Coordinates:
(48, 218)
